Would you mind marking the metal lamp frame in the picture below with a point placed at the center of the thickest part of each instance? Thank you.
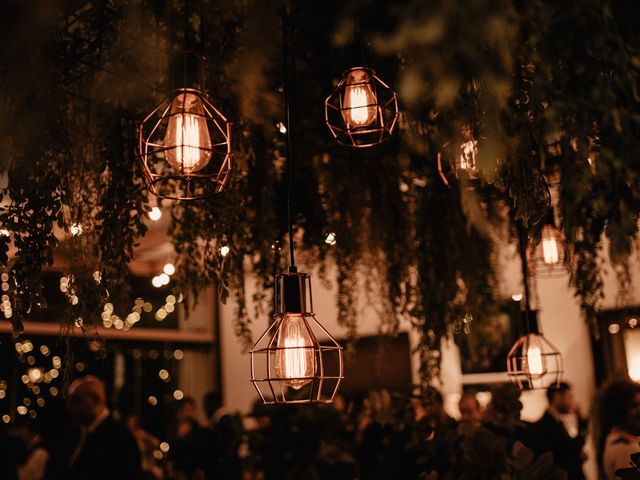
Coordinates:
(293, 296)
(540, 268)
(462, 158)
(379, 130)
(517, 361)
(162, 178)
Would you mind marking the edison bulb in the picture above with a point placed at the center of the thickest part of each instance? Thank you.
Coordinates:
(550, 252)
(294, 357)
(187, 139)
(534, 360)
(360, 102)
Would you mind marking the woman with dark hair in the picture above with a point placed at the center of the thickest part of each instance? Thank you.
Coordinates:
(618, 422)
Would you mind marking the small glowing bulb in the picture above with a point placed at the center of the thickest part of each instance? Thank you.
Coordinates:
(169, 269)
(330, 239)
(164, 279)
(35, 375)
(359, 106)
(550, 252)
(281, 127)
(295, 360)
(155, 214)
(224, 250)
(156, 281)
(187, 139)
(534, 360)
(75, 229)
(516, 297)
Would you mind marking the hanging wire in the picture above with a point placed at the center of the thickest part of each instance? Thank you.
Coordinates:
(286, 34)
(524, 243)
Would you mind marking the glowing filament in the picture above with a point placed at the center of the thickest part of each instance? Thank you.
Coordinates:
(468, 154)
(534, 360)
(294, 360)
(360, 103)
(550, 251)
(187, 139)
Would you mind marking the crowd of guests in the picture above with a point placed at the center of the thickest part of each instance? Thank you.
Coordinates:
(379, 436)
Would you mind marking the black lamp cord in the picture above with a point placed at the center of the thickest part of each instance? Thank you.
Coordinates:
(286, 33)
(524, 242)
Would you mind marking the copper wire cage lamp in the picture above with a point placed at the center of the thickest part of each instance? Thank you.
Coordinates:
(533, 361)
(184, 144)
(184, 147)
(463, 158)
(548, 258)
(362, 110)
(296, 360)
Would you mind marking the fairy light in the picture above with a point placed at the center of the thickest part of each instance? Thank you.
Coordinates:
(169, 269)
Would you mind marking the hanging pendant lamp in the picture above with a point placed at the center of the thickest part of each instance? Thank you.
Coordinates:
(296, 360)
(549, 256)
(533, 361)
(362, 110)
(184, 144)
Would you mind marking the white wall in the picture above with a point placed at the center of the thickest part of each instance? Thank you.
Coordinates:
(560, 321)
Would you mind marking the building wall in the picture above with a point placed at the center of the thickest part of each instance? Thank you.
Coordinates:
(560, 321)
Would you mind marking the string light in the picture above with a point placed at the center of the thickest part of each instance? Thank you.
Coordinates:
(169, 269)
(224, 250)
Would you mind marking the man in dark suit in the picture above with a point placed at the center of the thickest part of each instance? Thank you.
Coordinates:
(103, 449)
(556, 434)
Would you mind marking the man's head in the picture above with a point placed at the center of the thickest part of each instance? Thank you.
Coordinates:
(86, 399)
(187, 409)
(212, 401)
(561, 397)
(470, 410)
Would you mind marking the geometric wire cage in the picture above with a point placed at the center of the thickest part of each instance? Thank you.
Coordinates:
(362, 110)
(534, 362)
(296, 360)
(549, 257)
(184, 147)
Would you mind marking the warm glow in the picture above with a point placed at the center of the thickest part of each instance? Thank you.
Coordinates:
(75, 229)
(468, 154)
(169, 268)
(632, 352)
(360, 104)
(549, 245)
(155, 214)
(35, 375)
(294, 357)
(634, 372)
(534, 361)
(224, 250)
(330, 239)
(188, 132)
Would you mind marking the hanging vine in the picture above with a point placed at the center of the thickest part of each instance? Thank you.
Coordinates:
(540, 99)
